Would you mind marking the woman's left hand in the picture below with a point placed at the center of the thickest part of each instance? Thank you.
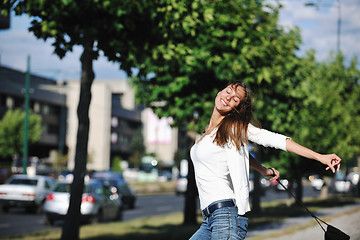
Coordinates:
(272, 172)
(331, 160)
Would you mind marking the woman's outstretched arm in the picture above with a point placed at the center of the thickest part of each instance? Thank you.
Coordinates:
(330, 160)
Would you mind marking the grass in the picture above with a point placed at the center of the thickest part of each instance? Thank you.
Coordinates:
(144, 188)
(170, 227)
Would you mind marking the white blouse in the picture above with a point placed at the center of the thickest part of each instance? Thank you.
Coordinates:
(222, 172)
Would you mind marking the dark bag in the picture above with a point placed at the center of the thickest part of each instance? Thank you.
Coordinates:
(331, 233)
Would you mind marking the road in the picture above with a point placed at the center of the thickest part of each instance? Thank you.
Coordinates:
(17, 221)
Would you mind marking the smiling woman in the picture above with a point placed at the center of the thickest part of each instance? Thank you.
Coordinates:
(221, 161)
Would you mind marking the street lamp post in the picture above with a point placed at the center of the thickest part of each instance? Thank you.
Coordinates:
(317, 5)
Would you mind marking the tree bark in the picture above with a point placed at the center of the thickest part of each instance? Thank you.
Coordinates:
(71, 226)
(256, 194)
(191, 194)
(190, 197)
(299, 188)
(299, 185)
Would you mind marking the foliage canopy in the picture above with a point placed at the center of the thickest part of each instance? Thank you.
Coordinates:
(12, 132)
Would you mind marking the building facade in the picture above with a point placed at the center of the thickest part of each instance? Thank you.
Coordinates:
(114, 119)
(45, 100)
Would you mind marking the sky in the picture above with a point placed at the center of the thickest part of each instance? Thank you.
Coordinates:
(318, 27)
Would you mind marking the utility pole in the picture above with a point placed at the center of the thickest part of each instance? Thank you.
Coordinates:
(317, 5)
(26, 117)
(338, 26)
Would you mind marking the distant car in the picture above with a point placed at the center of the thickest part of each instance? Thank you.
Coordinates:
(181, 185)
(341, 184)
(98, 203)
(284, 182)
(126, 193)
(264, 184)
(25, 191)
(164, 176)
(316, 182)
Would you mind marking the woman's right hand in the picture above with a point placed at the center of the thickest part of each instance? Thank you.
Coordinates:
(272, 172)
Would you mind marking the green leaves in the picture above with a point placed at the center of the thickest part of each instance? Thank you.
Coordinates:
(12, 132)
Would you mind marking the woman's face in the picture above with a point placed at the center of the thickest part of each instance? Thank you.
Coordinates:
(229, 98)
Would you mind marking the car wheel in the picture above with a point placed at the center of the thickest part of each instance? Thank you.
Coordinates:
(32, 209)
(119, 215)
(40, 208)
(99, 217)
(5, 209)
(48, 220)
(132, 205)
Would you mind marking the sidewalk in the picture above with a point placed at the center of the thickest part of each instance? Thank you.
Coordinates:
(346, 218)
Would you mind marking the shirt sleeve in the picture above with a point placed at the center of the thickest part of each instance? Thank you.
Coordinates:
(267, 138)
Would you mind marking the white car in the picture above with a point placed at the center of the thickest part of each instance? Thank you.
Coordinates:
(25, 191)
(98, 203)
(316, 182)
(181, 185)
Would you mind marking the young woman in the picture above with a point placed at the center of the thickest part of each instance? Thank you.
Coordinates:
(221, 161)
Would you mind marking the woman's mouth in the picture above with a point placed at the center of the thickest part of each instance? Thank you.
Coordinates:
(223, 102)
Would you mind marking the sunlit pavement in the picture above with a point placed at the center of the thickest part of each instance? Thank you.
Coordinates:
(346, 218)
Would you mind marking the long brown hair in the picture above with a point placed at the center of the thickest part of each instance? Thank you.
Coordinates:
(233, 128)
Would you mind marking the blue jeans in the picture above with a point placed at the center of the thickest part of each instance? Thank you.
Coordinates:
(223, 223)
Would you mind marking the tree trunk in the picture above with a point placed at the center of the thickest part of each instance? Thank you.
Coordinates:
(256, 194)
(190, 197)
(71, 226)
(299, 188)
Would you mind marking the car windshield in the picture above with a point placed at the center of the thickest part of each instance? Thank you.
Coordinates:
(19, 181)
(65, 188)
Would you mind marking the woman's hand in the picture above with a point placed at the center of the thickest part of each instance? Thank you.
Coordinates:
(272, 172)
(331, 160)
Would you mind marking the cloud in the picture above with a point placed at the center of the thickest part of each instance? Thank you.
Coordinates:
(319, 26)
(17, 43)
(318, 31)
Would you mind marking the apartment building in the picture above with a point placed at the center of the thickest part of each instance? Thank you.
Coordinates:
(45, 100)
(114, 118)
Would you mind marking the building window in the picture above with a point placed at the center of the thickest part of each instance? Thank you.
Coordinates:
(124, 123)
(114, 122)
(114, 138)
(37, 107)
(124, 139)
(116, 100)
(9, 102)
(46, 109)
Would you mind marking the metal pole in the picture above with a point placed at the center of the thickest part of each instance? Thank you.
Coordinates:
(312, 4)
(26, 117)
(338, 27)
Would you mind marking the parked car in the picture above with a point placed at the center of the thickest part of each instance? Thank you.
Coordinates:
(165, 175)
(285, 183)
(126, 193)
(341, 184)
(98, 203)
(181, 184)
(264, 184)
(316, 182)
(25, 191)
